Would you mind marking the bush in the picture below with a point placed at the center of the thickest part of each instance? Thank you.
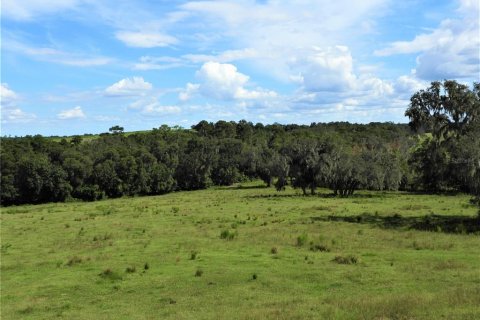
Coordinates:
(130, 269)
(109, 274)
(318, 247)
(346, 260)
(199, 272)
(88, 193)
(74, 260)
(301, 240)
(227, 234)
(193, 255)
(274, 250)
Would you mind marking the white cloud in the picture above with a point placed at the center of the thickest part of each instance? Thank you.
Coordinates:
(135, 86)
(158, 63)
(156, 108)
(222, 81)
(449, 51)
(16, 115)
(7, 96)
(10, 112)
(151, 106)
(408, 85)
(281, 32)
(326, 70)
(28, 9)
(223, 57)
(145, 39)
(75, 113)
(53, 55)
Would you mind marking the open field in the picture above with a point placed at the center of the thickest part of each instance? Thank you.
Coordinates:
(243, 252)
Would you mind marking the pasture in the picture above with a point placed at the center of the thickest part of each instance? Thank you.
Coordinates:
(243, 252)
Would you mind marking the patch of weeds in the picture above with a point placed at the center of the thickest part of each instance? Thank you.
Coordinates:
(175, 209)
(106, 236)
(274, 250)
(318, 248)
(131, 269)
(5, 247)
(73, 261)
(199, 272)
(146, 266)
(254, 276)
(193, 255)
(26, 310)
(301, 240)
(227, 235)
(110, 275)
(350, 259)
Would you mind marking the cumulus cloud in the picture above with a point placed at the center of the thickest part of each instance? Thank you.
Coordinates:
(151, 106)
(75, 113)
(328, 69)
(11, 113)
(222, 81)
(7, 96)
(449, 51)
(145, 39)
(135, 86)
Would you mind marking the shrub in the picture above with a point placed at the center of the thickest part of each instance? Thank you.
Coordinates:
(346, 259)
(146, 266)
(254, 276)
(227, 234)
(74, 260)
(199, 272)
(301, 240)
(318, 247)
(193, 255)
(109, 274)
(274, 250)
(131, 269)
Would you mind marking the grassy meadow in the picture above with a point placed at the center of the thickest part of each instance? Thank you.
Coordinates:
(243, 252)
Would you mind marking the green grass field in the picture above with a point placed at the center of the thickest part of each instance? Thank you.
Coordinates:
(243, 252)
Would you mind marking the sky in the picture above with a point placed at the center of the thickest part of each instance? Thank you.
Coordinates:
(81, 66)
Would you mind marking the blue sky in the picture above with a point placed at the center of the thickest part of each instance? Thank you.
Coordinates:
(82, 66)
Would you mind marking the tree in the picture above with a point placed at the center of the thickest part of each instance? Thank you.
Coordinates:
(448, 111)
(116, 129)
(444, 109)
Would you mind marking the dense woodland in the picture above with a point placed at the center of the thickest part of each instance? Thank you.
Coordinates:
(439, 150)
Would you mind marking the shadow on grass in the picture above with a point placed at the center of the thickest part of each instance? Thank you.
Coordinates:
(433, 222)
(318, 195)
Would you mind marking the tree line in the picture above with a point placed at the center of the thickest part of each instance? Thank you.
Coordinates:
(439, 150)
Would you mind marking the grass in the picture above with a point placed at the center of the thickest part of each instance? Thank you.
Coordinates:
(87, 271)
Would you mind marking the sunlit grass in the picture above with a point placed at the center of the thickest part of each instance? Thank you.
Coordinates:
(165, 258)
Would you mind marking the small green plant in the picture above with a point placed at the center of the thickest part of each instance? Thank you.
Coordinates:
(110, 275)
(227, 235)
(301, 240)
(193, 255)
(346, 259)
(131, 269)
(199, 272)
(74, 260)
(254, 276)
(318, 247)
(146, 266)
(175, 209)
(274, 250)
